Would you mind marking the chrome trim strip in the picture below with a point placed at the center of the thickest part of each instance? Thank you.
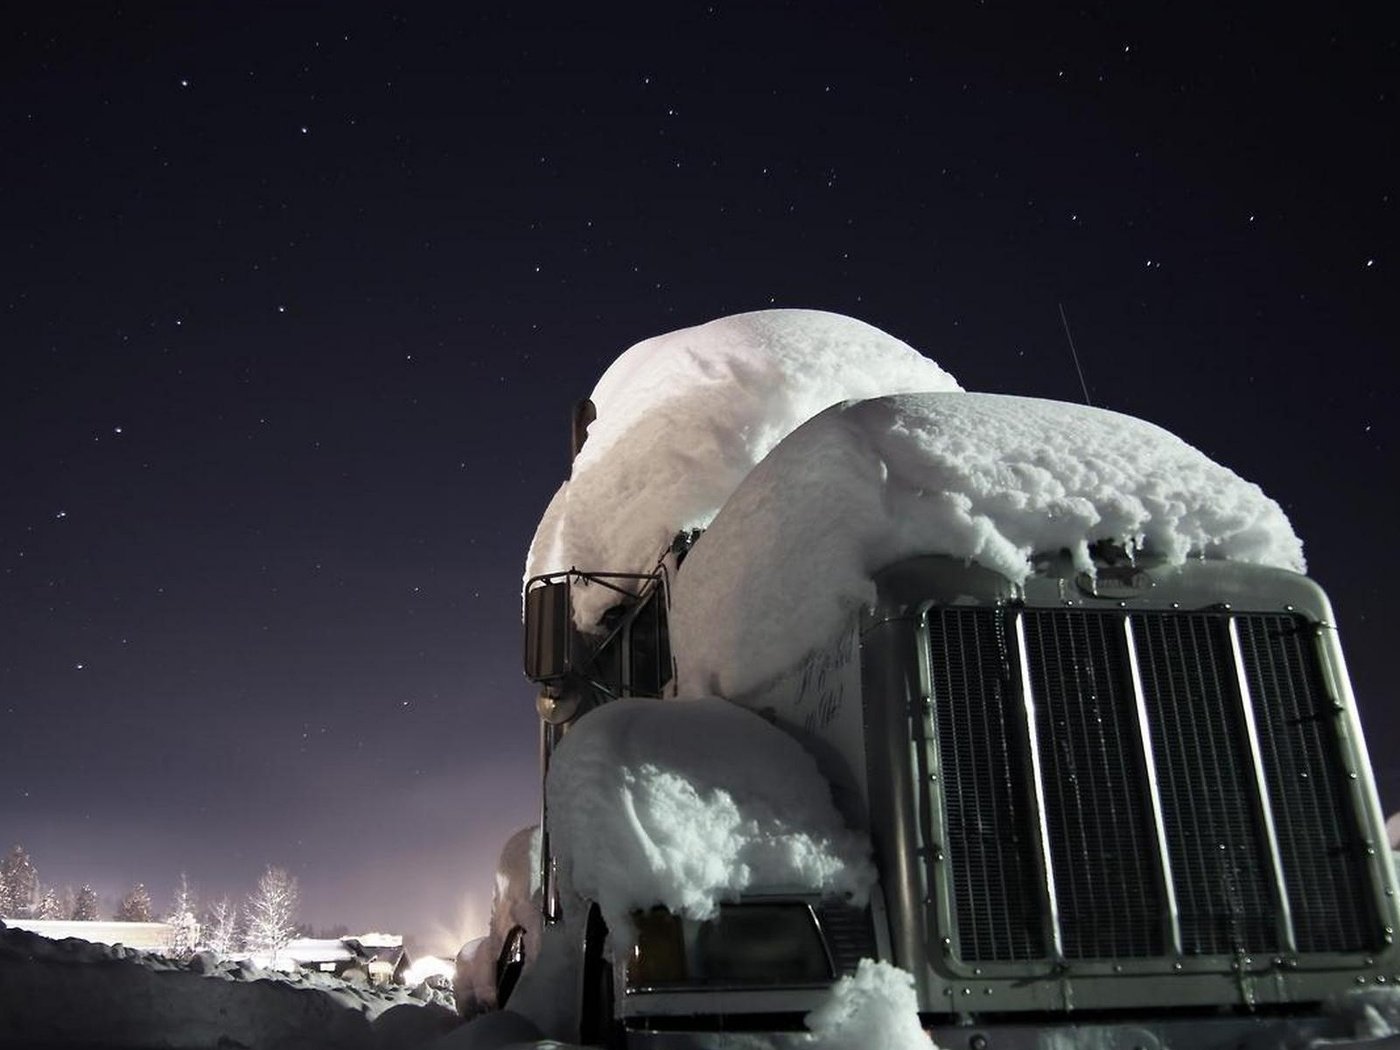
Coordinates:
(1364, 796)
(1154, 791)
(1042, 827)
(929, 801)
(1285, 912)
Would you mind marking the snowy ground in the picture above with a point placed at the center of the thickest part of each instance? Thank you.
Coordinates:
(73, 993)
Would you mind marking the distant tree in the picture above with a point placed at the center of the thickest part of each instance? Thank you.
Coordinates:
(135, 906)
(272, 913)
(183, 919)
(221, 927)
(85, 905)
(19, 885)
(67, 901)
(49, 906)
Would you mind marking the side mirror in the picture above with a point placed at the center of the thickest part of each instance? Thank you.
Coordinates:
(550, 636)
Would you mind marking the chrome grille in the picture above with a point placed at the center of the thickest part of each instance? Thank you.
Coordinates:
(1161, 836)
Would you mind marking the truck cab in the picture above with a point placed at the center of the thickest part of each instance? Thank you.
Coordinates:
(1134, 802)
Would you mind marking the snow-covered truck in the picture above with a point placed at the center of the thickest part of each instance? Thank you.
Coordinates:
(1063, 670)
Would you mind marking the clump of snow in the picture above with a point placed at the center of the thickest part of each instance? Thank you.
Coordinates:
(683, 417)
(873, 1009)
(685, 803)
(990, 478)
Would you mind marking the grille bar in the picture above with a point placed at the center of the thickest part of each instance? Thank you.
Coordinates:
(1038, 782)
(1266, 811)
(1154, 791)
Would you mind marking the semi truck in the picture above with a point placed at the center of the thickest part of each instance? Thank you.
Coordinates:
(1121, 805)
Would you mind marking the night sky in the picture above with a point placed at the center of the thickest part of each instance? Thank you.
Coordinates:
(296, 300)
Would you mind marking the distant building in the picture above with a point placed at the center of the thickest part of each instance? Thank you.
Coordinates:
(322, 954)
(384, 956)
(379, 957)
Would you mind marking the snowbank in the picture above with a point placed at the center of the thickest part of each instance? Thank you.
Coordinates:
(75, 993)
(686, 803)
(986, 477)
(683, 417)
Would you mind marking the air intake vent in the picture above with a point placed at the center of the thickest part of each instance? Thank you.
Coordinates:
(849, 934)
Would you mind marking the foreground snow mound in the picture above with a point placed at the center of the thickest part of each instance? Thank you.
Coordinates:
(874, 1009)
(683, 417)
(991, 478)
(685, 803)
(75, 993)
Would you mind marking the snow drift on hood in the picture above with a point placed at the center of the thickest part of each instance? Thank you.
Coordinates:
(685, 803)
(683, 417)
(986, 477)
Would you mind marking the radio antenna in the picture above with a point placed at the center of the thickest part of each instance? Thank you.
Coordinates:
(1072, 353)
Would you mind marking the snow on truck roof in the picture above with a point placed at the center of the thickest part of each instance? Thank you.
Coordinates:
(683, 418)
(686, 419)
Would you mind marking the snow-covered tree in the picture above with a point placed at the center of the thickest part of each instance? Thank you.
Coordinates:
(183, 920)
(272, 913)
(85, 905)
(19, 885)
(49, 906)
(221, 927)
(135, 906)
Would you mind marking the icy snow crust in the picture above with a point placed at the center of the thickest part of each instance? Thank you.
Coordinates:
(986, 477)
(683, 417)
(685, 803)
